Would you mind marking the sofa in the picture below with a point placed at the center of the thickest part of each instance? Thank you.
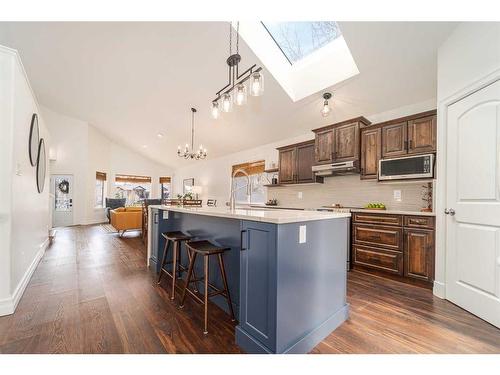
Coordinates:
(126, 218)
(112, 203)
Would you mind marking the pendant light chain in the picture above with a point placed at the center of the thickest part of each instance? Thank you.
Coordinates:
(238, 37)
(192, 129)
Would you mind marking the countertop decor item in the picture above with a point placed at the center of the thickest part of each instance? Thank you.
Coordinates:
(375, 206)
(41, 166)
(34, 140)
(272, 202)
(236, 90)
(201, 153)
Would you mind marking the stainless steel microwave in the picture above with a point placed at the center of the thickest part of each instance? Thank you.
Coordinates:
(408, 167)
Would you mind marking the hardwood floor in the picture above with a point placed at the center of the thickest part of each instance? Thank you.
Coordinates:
(92, 293)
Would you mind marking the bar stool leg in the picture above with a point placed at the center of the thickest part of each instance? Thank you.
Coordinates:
(189, 275)
(205, 269)
(190, 256)
(174, 268)
(163, 259)
(224, 280)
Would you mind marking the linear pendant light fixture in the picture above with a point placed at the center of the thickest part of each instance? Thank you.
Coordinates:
(236, 89)
(201, 153)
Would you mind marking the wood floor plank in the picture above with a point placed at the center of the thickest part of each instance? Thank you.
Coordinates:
(92, 293)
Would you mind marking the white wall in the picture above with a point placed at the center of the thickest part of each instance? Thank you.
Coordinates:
(82, 150)
(466, 61)
(214, 174)
(24, 214)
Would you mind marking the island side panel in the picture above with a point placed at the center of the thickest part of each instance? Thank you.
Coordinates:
(311, 288)
(221, 231)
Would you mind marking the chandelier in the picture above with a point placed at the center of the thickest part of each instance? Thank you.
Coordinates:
(236, 89)
(188, 153)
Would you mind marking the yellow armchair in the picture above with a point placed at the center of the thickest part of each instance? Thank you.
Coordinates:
(126, 218)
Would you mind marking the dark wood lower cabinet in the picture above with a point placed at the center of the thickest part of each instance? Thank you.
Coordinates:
(396, 246)
(419, 254)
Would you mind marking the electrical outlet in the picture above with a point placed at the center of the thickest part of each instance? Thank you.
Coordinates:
(397, 195)
(299, 195)
(302, 234)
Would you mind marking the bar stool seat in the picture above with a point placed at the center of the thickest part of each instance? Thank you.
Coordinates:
(206, 249)
(175, 237)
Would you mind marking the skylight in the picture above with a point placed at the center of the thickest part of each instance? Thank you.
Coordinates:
(299, 39)
(304, 57)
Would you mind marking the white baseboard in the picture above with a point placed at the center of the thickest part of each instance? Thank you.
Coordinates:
(439, 289)
(8, 305)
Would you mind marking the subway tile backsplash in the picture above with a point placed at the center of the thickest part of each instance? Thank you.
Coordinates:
(350, 191)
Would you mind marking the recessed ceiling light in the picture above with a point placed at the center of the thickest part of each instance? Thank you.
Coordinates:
(159, 135)
(144, 146)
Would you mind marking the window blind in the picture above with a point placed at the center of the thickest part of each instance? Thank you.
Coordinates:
(165, 180)
(100, 176)
(132, 179)
(254, 167)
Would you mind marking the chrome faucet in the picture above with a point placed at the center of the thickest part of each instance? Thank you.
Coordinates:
(232, 200)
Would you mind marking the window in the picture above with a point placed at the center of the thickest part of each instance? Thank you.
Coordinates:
(299, 39)
(100, 186)
(245, 194)
(165, 187)
(133, 188)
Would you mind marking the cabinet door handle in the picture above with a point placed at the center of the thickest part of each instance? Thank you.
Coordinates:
(241, 240)
(411, 144)
(155, 218)
(406, 145)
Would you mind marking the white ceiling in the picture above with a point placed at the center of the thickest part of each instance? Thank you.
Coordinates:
(134, 80)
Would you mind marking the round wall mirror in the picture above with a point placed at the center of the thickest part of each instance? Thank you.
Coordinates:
(41, 165)
(34, 140)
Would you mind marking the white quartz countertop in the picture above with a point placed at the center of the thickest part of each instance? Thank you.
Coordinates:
(395, 212)
(257, 214)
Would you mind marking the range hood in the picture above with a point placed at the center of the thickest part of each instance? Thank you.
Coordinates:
(347, 167)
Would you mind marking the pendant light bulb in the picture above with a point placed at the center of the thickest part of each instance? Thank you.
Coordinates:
(226, 103)
(240, 96)
(257, 84)
(326, 110)
(215, 110)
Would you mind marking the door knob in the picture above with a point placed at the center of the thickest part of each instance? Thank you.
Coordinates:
(450, 211)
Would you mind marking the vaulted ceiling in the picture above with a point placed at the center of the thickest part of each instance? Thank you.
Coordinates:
(135, 80)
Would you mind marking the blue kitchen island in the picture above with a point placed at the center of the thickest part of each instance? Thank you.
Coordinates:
(286, 270)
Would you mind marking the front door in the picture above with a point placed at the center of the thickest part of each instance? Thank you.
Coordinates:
(473, 203)
(61, 186)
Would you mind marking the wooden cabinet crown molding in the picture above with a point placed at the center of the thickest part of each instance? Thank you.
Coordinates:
(364, 121)
(304, 143)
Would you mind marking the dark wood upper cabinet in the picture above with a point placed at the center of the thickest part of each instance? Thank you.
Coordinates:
(305, 161)
(419, 254)
(346, 142)
(324, 147)
(422, 135)
(339, 142)
(394, 140)
(287, 158)
(295, 163)
(371, 144)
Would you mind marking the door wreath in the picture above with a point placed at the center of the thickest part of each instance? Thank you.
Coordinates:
(64, 186)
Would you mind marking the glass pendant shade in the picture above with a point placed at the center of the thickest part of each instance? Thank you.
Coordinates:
(227, 103)
(240, 94)
(257, 84)
(325, 111)
(215, 110)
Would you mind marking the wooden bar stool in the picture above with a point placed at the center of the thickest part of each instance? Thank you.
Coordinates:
(206, 249)
(176, 238)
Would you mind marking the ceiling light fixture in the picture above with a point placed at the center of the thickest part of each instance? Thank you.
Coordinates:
(325, 111)
(201, 153)
(159, 135)
(236, 89)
